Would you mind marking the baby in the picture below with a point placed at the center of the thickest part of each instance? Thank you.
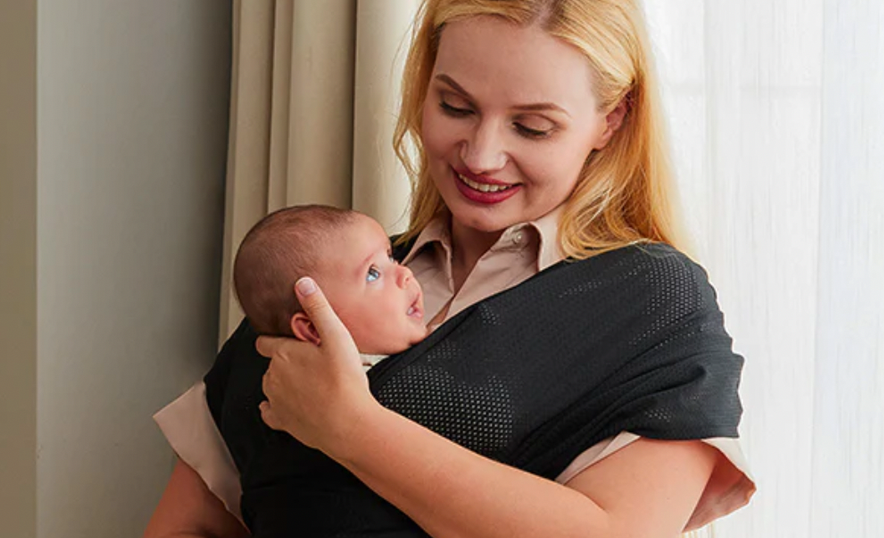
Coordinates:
(349, 256)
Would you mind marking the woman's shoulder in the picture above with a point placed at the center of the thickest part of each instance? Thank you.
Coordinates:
(658, 263)
(656, 273)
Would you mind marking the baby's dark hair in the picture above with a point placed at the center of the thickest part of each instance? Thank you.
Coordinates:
(281, 248)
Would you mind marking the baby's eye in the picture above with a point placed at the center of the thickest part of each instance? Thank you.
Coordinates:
(373, 274)
(391, 258)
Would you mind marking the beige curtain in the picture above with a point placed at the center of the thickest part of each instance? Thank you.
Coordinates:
(314, 94)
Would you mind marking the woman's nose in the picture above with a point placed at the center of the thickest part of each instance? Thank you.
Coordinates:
(483, 149)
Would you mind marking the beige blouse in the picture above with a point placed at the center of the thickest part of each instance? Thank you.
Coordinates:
(522, 251)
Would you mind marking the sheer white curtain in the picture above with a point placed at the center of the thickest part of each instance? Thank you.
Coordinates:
(777, 115)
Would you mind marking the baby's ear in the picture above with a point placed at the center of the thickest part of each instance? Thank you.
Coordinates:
(303, 329)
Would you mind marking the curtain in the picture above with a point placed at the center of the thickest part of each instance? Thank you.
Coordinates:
(776, 111)
(313, 107)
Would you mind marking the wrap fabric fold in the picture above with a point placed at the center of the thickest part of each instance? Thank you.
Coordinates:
(629, 340)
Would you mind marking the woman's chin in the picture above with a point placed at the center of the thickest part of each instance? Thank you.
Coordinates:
(477, 227)
(481, 221)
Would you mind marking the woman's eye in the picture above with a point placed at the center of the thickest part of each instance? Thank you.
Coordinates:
(373, 274)
(531, 133)
(454, 111)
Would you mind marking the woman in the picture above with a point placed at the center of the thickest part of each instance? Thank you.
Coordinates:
(539, 138)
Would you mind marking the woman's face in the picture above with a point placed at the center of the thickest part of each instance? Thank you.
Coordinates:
(510, 118)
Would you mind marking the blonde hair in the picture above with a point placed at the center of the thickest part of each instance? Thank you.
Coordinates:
(625, 193)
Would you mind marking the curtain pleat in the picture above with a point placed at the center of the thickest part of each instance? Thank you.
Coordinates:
(321, 103)
(279, 100)
(380, 185)
(848, 407)
(247, 160)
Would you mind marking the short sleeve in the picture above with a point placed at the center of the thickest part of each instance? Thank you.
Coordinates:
(188, 426)
(729, 488)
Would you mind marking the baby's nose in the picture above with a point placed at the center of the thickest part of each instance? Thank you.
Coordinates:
(404, 275)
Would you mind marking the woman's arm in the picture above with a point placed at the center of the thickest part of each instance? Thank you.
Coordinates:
(188, 509)
(648, 489)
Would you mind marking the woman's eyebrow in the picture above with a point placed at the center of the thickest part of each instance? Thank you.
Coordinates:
(532, 107)
(454, 85)
(542, 107)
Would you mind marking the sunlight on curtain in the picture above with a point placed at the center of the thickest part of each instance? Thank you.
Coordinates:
(777, 118)
(380, 184)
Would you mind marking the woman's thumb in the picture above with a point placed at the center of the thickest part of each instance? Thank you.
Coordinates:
(317, 308)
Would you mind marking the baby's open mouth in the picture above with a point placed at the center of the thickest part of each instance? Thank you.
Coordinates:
(414, 310)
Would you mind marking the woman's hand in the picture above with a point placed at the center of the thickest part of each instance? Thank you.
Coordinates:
(315, 392)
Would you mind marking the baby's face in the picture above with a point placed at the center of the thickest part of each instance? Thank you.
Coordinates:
(378, 300)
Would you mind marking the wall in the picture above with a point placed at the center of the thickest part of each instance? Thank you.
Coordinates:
(18, 263)
(126, 194)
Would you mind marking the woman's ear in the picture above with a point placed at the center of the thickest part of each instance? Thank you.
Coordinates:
(614, 121)
(303, 329)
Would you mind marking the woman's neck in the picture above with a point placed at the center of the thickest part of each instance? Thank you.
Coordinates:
(468, 245)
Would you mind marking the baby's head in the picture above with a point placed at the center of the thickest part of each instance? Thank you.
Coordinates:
(349, 256)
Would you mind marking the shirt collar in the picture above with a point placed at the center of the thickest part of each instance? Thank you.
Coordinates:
(369, 360)
(547, 228)
(437, 231)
